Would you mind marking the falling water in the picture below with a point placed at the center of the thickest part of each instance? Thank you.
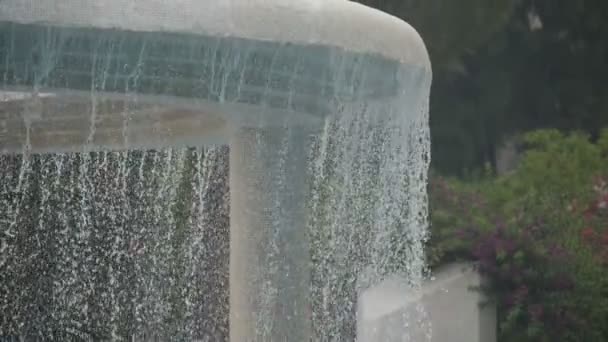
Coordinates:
(115, 244)
(368, 208)
(132, 243)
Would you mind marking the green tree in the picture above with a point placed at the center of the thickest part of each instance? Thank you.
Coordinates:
(508, 66)
(540, 234)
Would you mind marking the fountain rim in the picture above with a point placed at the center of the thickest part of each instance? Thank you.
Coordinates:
(336, 23)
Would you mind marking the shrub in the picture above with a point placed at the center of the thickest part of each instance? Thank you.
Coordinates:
(540, 235)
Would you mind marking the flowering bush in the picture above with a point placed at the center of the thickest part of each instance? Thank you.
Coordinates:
(595, 234)
(539, 235)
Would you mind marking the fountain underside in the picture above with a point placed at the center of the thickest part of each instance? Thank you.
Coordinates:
(111, 89)
(70, 121)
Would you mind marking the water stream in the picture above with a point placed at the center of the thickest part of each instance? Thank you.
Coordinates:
(133, 243)
(106, 245)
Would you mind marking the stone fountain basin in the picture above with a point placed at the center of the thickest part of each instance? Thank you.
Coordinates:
(339, 23)
(116, 79)
(65, 121)
(129, 74)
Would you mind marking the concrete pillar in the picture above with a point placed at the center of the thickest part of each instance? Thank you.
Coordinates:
(269, 256)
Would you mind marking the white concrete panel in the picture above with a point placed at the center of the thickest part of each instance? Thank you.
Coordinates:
(453, 310)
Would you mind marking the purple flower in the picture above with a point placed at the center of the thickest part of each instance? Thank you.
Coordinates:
(563, 283)
(505, 245)
(536, 312)
(557, 251)
(462, 234)
(484, 250)
(521, 293)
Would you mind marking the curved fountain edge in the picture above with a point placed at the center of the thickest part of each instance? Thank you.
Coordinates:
(337, 23)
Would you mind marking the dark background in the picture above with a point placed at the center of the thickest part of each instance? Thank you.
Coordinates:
(504, 67)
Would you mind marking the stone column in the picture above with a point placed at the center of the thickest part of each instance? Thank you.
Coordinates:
(269, 250)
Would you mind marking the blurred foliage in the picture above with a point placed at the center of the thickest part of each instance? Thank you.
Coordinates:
(503, 67)
(540, 235)
(450, 28)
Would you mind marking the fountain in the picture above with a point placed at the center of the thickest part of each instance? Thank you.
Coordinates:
(324, 107)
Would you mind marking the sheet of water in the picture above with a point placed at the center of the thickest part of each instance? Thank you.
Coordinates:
(112, 244)
(134, 243)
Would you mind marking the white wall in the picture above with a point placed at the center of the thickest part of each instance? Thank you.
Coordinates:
(446, 309)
